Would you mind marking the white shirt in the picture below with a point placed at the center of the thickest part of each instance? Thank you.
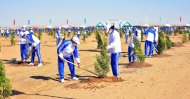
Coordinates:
(114, 42)
(68, 50)
(22, 40)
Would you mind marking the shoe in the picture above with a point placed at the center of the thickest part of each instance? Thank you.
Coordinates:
(75, 78)
(62, 80)
(31, 64)
(149, 56)
(40, 64)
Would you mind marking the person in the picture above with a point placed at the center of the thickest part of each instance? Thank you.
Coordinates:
(84, 34)
(66, 51)
(131, 56)
(31, 30)
(150, 38)
(34, 44)
(23, 43)
(2, 32)
(114, 48)
(78, 33)
(137, 34)
(156, 40)
(58, 36)
(7, 33)
(126, 34)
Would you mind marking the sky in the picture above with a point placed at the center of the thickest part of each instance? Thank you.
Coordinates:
(136, 12)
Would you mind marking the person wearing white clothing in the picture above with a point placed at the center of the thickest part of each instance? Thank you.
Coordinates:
(23, 44)
(34, 44)
(66, 51)
(114, 48)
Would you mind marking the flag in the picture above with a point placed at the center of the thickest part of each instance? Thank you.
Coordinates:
(50, 21)
(28, 22)
(180, 19)
(14, 22)
(85, 21)
(67, 21)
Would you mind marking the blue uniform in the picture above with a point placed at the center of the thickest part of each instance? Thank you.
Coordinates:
(78, 33)
(35, 43)
(150, 38)
(67, 51)
(114, 48)
(131, 55)
(57, 36)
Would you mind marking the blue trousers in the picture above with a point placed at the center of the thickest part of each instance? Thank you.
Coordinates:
(126, 38)
(7, 35)
(132, 58)
(57, 41)
(148, 45)
(114, 63)
(24, 51)
(78, 35)
(61, 66)
(36, 51)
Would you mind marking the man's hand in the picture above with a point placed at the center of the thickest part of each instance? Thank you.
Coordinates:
(78, 65)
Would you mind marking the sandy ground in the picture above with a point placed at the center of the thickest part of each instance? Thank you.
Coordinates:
(167, 78)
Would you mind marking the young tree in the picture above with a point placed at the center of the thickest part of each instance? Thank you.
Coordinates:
(5, 85)
(168, 42)
(138, 51)
(12, 39)
(184, 37)
(98, 39)
(161, 43)
(102, 64)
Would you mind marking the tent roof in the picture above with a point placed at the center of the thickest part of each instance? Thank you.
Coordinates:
(99, 25)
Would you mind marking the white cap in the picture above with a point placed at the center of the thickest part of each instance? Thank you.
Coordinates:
(76, 40)
(24, 26)
(108, 27)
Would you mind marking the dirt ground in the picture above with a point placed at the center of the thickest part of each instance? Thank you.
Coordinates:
(167, 77)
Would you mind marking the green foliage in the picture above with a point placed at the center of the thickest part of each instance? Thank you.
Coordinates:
(142, 35)
(168, 42)
(180, 31)
(138, 51)
(5, 86)
(102, 64)
(184, 37)
(161, 43)
(176, 32)
(39, 35)
(12, 39)
(98, 39)
(121, 32)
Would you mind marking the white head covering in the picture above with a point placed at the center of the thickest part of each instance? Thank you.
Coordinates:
(76, 40)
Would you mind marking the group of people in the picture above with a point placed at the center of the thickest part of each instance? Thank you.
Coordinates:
(67, 50)
(29, 42)
(151, 41)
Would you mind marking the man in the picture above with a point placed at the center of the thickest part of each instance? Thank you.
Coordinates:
(78, 33)
(114, 48)
(7, 33)
(58, 36)
(131, 56)
(2, 32)
(23, 44)
(66, 51)
(156, 40)
(138, 34)
(126, 34)
(150, 38)
(31, 30)
(34, 44)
